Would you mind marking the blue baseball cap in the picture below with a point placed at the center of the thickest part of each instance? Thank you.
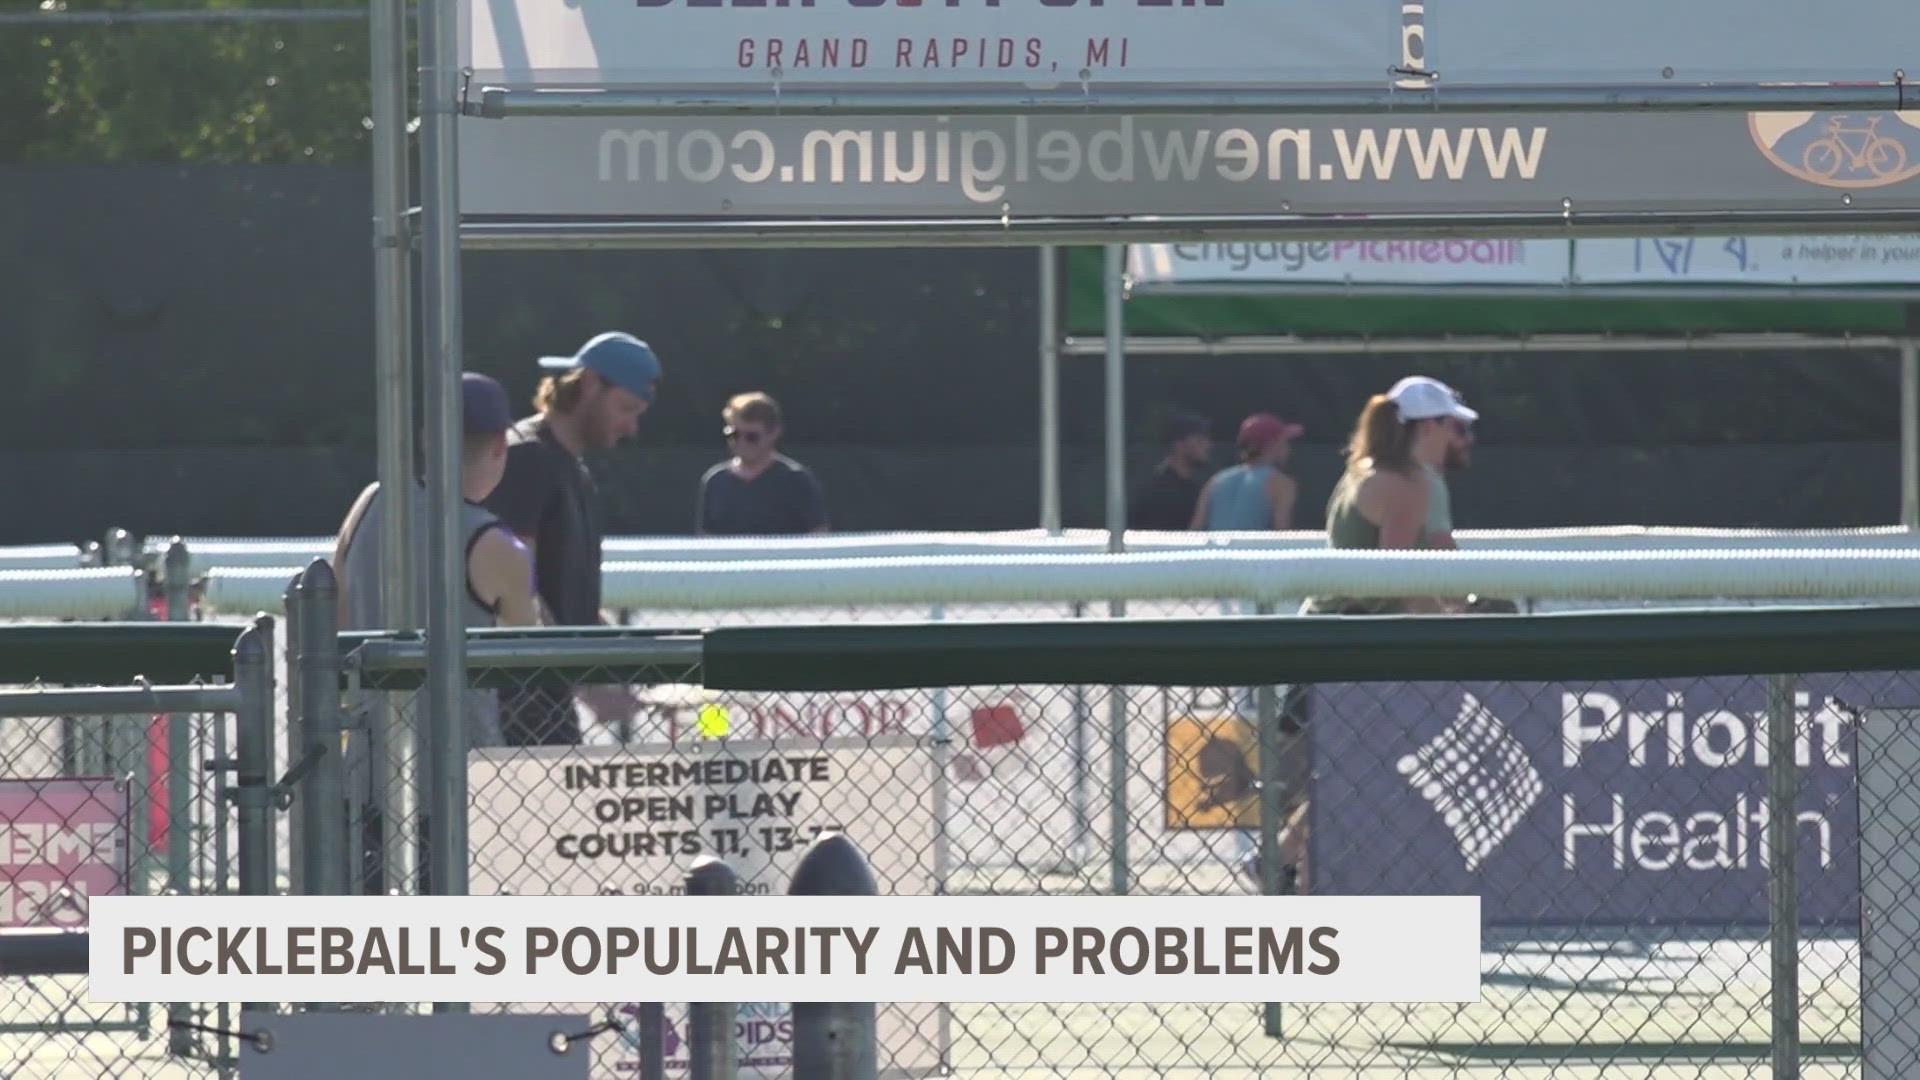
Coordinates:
(483, 405)
(621, 359)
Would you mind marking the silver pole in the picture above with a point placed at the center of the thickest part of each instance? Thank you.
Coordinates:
(1115, 312)
(1910, 433)
(253, 754)
(1050, 389)
(994, 232)
(1271, 345)
(1784, 877)
(391, 729)
(46, 20)
(1119, 760)
(499, 101)
(446, 798)
(253, 758)
(115, 701)
(1561, 289)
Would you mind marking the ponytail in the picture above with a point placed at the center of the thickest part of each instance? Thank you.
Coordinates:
(1381, 438)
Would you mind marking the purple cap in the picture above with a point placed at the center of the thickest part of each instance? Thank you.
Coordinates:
(483, 405)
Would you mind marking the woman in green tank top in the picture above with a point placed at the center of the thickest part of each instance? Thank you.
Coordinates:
(1393, 495)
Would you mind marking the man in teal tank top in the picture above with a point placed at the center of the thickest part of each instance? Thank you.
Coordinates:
(1255, 495)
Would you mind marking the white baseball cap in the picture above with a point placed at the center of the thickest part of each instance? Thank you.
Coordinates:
(1421, 398)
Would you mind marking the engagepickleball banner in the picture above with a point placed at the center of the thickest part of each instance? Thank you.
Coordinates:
(1757, 262)
(1614, 803)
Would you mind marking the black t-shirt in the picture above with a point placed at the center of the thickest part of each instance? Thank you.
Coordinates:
(784, 499)
(1165, 502)
(547, 495)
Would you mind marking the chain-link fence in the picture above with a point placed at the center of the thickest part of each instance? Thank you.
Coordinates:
(135, 759)
(1611, 787)
(1614, 788)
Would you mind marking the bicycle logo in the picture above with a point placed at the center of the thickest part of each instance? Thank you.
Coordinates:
(1841, 150)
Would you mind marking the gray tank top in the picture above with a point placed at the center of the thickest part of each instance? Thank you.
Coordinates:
(364, 610)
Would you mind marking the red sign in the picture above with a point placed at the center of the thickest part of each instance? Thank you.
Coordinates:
(62, 841)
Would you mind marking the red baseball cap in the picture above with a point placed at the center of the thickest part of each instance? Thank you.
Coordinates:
(1262, 429)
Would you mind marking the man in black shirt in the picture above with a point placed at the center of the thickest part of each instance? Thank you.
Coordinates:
(592, 401)
(1165, 502)
(759, 491)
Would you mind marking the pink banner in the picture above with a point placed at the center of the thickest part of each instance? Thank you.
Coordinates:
(62, 841)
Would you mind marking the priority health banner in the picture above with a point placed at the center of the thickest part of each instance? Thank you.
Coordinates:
(1615, 803)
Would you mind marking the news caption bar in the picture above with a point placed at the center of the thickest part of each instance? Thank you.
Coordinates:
(908, 949)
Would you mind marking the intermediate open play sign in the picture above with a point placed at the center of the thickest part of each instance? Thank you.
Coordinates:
(631, 821)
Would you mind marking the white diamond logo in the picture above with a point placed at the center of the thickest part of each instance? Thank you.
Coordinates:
(1478, 779)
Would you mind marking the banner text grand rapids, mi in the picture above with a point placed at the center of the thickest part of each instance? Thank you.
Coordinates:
(929, 42)
(1224, 43)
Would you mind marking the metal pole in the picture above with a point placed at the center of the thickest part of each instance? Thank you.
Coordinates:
(1910, 433)
(253, 760)
(998, 232)
(1050, 390)
(391, 730)
(1266, 719)
(1118, 758)
(1077, 742)
(27, 952)
(326, 785)
(47, 20)
(1116, 388)
(1784, 877)
(834, 1040)
(300, 817)
(116, 701)
(1289, 345)
(711, 1046)
(253, 757)
(1071, 98)
(446, 798)
(653, 1041)
(178, 568)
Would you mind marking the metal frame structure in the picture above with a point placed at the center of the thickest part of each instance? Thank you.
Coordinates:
(442, 234)
(1115, 346)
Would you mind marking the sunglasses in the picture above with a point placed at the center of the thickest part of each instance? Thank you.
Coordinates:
(751, 438)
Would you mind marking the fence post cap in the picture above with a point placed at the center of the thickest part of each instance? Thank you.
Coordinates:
(251, 646)
(711, 876)
(319, 576)
(833, 865)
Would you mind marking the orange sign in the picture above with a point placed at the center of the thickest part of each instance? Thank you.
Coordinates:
(1213, 772)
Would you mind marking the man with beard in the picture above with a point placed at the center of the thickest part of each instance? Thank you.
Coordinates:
(1165, 502)
(591, 401)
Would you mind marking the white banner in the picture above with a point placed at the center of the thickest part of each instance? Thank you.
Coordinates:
(1353, 262)
(1757, 261)
(1019, 43)
(1750, 260)
(924, 949)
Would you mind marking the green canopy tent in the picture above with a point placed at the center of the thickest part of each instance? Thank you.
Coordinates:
(1703, 293)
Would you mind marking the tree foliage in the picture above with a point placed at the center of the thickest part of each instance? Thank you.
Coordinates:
(243, 92)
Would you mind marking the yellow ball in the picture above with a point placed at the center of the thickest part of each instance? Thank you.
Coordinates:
(714, 722)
